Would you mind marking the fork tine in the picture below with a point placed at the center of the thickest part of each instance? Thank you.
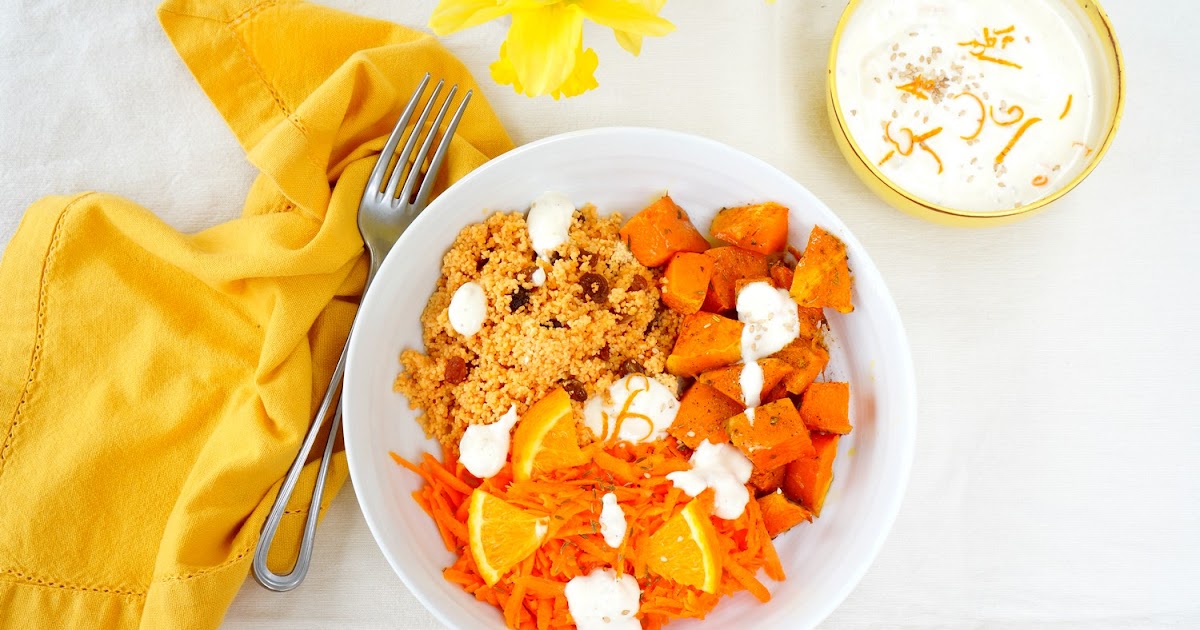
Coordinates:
(385, 156)
(411, 181)
(406, 153)
(435, 164)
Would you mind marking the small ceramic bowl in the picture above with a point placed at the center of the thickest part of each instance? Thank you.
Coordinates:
(1100, 39)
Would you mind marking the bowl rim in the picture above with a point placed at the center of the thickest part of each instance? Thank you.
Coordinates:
(866, 167)
(904, 374)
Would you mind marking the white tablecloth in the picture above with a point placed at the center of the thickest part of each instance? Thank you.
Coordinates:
(1057, 476)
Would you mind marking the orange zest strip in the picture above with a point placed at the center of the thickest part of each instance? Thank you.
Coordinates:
(918, 87)
(1084, 147)
(1004, 62)
(625, 413)
(927, 135)
(1015, 108)
(1040, 180)
(1017, 136)
(887, 133)
(926, 148)
(887, 157)
(1067, 109)
(982, 116)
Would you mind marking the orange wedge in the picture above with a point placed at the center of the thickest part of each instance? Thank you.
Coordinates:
(546, 438)
(686, 549)
(501, 535)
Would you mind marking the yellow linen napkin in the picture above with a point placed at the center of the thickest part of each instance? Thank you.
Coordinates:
(155, 386)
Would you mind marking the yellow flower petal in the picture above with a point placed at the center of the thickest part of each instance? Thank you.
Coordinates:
(542, 44)
(583, 76)
(631, 16)
(581, 80)
(451, 16)
(630, 42)
(503, 72)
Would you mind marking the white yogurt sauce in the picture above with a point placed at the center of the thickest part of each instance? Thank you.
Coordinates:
(539, 277)
(1020, 106)
(602, 601)
(484, 447)
(650, 398)
(722, 468)
(612, 520)
(549, 221)
(751, 382)
(771, 323)
(468, 309)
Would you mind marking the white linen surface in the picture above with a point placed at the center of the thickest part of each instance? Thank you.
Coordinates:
(1056, 482)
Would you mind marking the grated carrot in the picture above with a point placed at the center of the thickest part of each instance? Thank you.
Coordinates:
(532, 594)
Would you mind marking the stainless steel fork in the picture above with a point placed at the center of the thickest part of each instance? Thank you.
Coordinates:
(382, 216)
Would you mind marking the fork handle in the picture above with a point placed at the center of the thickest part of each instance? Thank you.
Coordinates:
(293, 578)
(290, 580)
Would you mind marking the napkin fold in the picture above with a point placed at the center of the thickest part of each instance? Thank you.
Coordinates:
(155, 386)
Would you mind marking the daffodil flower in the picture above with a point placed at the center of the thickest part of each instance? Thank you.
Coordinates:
(544, 52)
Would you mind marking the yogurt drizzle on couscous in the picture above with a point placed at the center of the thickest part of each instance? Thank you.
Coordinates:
(971, 104)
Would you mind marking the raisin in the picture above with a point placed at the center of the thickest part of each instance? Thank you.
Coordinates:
(629, 366)
(575, 390)
(480, 264)
(553, 323)
(520, 298)
(604, 353)
(639, 284)
(456, 370)
(585, 257)
(595, 287)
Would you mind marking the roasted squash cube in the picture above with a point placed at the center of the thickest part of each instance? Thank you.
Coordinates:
(826, 407)
(702, 415)
(731, 264)
(705, 341)
(660, 231)
(774, 437)
(807, 358)
(685, 283)
(761, 228)
(728, 380)
(779, 514)
(822, 277)
(807, 479)
(766, 480)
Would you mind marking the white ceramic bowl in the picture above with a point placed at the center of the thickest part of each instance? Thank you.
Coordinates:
(622, 169)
